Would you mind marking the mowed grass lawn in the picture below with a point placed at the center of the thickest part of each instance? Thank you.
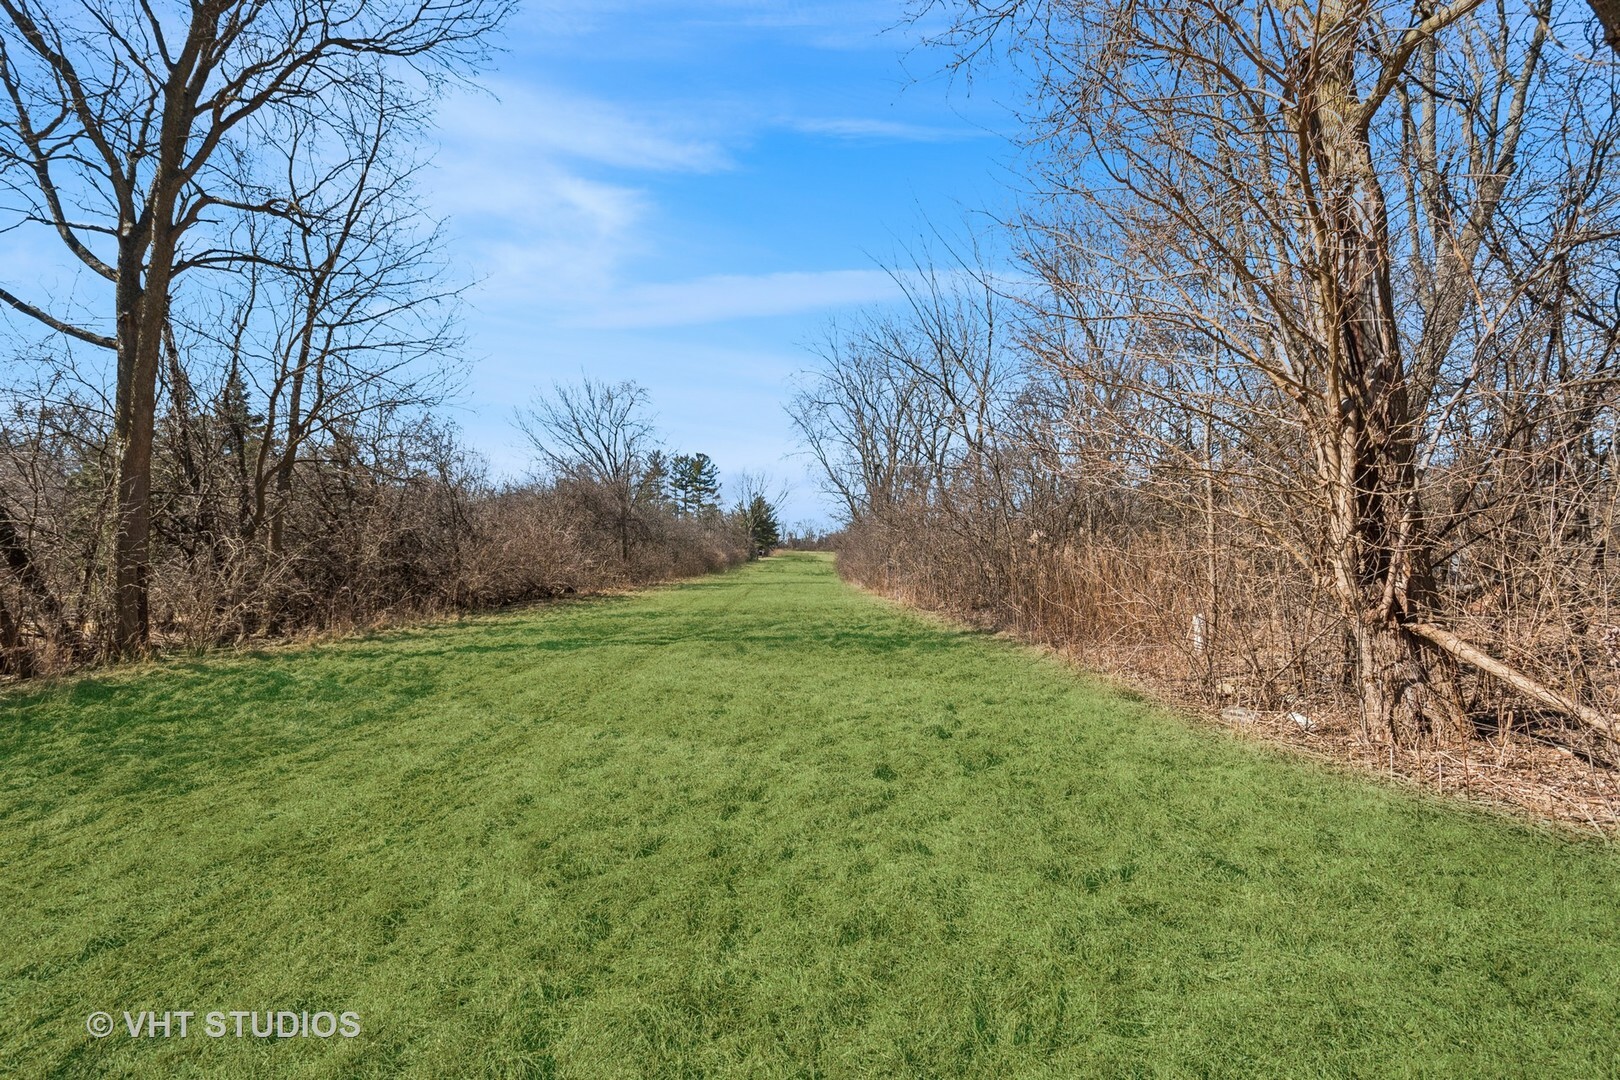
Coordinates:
(755, 825)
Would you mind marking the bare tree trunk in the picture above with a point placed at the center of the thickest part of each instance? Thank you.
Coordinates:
(138, 131)
(1408, 694)
(1366, 427)
(134, 411)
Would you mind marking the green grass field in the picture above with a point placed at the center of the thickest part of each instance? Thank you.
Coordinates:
(755, 825)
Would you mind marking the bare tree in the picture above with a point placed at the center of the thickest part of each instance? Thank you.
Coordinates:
(338, 309)
(120, 129)
(901, 395)
(1302, 216)
(598, 431)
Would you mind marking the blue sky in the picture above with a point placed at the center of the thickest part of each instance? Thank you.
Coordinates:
(680, 192)
(685, 194)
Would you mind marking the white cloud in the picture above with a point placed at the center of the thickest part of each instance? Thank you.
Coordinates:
(539, 234)
(514, 175)
(821, 23)
(724, 297)
(831, 24)
(523, 122)
(534, 195)
(859, 128)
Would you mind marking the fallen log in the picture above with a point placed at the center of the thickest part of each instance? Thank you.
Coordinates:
(1461, 650)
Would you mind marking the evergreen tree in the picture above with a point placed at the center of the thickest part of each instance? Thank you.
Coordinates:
(694, 482)
(655, 476)
(758, 519)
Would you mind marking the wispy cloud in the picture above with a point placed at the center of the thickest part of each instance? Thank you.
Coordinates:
(523, 121)
(540, 234)
(521, 176)
(839, 25)
(725, 297)
(860, 128)
(828, 24)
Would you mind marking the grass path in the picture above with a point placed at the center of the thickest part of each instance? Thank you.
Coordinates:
(755, 825)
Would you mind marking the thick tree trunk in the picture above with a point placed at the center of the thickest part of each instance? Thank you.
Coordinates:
(143, 315)
(147, 245)
(132, 546)
(1409, 695)
(1408, 691)
(1366, 424)
(135, 408)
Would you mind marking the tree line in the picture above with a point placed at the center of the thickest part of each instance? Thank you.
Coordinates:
(382, 516)
(1303, 392)
(228, 425)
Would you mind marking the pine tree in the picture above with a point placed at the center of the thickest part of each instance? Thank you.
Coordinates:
(758, 518)
(655, 477)
(694, 482)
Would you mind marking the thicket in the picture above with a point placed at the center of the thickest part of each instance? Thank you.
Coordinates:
(381, 517)
(1303, 397)
(227, 425)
